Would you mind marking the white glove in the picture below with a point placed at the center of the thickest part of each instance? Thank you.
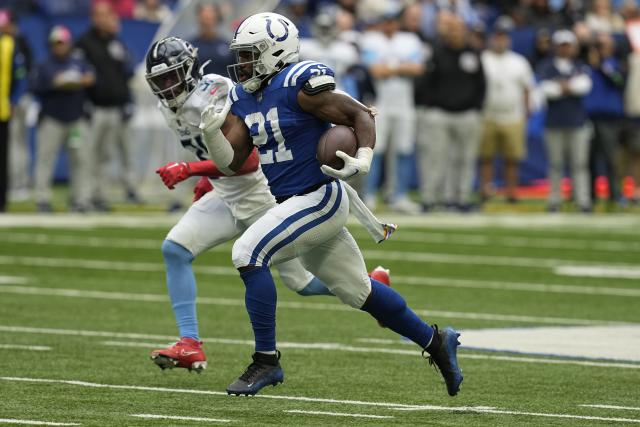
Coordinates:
(212, 118)
(353, 166)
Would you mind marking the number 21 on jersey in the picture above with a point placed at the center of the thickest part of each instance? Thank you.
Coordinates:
(256, 122)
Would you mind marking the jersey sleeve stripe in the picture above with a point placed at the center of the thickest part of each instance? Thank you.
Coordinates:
(293, 70)
(234, 95)
(294, 79)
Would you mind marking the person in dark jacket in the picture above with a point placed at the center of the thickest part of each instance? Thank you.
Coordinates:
(60, 85)
(211, 47)
(453, 90)
(111, 99)
(565, 82)
(605, 107)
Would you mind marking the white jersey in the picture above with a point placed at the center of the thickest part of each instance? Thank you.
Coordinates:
(394, 92)
(245, 194)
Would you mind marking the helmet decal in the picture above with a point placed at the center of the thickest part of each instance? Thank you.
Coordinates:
(286, 30)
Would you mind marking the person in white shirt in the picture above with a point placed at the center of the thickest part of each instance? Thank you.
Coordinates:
(394, 59)
(509, 81)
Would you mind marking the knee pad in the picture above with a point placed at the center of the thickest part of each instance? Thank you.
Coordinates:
(173, 252)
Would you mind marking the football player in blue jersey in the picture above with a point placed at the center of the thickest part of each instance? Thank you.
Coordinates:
(283, 106)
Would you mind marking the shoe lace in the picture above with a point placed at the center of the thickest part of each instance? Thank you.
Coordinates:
(252, 371)
(428, 356)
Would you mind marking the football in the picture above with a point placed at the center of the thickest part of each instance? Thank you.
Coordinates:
(337, 138)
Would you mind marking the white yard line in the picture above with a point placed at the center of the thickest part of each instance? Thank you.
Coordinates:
(589, 244)
(412, 237)
(13, 280)
(617, 272)
(523, 413)
(448, 282)
(284, 344)
(127, 296)
(25, 347)
(389, 405)
(178, 418)
(413, 353)
(493, 260)
(621, 223)
(338, 414)
(622, 408)
(47, 262)
(34, 422)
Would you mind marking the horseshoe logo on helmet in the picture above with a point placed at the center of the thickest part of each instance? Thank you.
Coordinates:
(286, 30)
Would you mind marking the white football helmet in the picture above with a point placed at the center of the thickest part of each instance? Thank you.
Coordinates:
(264, 44)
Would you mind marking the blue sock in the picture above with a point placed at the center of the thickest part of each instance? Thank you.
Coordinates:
(315, 287)
(182, 287)
(388, 306)
(374, 175)
(404, 172)
(260, 299)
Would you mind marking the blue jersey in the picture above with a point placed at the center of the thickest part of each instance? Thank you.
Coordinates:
(286, 136)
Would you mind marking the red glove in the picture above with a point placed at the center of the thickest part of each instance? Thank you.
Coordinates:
(203, 186)
(173, 173)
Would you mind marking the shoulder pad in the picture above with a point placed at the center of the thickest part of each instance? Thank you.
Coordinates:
(319, 84)
(301, 72)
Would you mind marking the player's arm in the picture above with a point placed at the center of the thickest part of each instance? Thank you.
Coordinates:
(227, 138)
(174, 172)
(341, 109)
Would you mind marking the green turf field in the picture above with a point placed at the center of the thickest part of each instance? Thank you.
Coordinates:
(83, 304)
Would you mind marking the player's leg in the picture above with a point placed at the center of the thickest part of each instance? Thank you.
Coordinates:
(51, 135)
(579, 158)
(293, 274)
(372, 179)
(208, 223)
(340, 264)
(282, 234)
(553, 139)
(404, 133)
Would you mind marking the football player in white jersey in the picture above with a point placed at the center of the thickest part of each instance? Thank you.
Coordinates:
(174, 75)
(283, 106)
(218, 215)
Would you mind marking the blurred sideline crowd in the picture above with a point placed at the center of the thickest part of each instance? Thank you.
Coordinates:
(456, 84)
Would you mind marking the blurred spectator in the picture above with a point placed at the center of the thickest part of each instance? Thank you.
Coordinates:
(539, 14)
(123, 8)
(542, 48)
(394, 59)
(605, 107)
(601, 18)
(112, 103)
(60, 84)
(65, 7)
(327, 47)
(21, 101)
(151, 10)
(453, 88)
(209, 43)
(630, 9)
(12, 78)
(632, 111)
(297, 11)
(509, 81)
(565, 81)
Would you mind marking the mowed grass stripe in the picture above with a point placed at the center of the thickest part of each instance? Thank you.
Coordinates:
(283, 304)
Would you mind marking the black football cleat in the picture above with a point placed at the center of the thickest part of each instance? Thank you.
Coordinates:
(263, 371)
(444, 357)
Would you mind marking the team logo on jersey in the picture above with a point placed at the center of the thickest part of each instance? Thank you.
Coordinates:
(273, 36)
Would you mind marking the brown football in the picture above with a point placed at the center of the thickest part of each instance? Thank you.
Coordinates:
(337, 138)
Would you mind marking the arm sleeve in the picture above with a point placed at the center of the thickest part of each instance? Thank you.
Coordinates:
(313, 78)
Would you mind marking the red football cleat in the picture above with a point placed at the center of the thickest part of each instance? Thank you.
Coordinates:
(381, 274)
(186, 353)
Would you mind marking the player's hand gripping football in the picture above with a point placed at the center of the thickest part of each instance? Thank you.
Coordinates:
(173, 173)
(353, 166)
